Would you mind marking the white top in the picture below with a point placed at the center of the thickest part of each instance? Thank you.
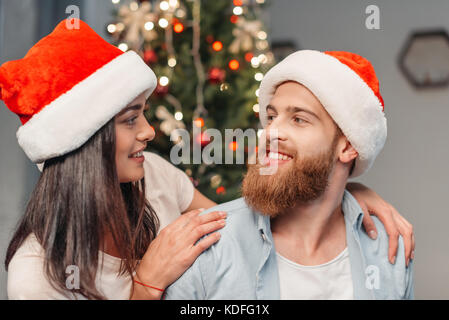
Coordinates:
(169, 191)
(329, 281)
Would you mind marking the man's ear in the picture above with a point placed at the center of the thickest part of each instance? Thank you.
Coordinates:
(348, 153)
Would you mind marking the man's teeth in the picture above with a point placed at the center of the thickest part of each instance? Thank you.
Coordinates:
(275, 155)
(136, 155)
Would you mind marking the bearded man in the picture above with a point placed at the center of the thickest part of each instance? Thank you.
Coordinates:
(297, 233)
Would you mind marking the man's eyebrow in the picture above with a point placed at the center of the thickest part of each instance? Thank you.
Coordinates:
(294, 109)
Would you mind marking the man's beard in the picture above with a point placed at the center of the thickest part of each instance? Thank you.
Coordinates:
(303, 181)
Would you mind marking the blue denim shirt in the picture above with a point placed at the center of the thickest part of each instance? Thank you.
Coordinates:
(243, 264)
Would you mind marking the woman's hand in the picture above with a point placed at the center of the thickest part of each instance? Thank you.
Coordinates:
(394, 223)
(174, 250)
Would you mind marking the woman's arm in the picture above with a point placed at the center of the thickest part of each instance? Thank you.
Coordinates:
(395, 225)
(200, 201)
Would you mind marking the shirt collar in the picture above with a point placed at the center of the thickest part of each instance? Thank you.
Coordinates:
(352, 211)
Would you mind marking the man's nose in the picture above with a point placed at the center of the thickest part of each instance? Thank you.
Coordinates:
(275, 131)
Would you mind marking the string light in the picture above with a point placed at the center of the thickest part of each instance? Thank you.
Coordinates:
(199, 122)
(123, 46)
(233, 145)
(262, 35)
(134, 6)
(237, 11)
(255, 62)
(112, 28)
(179, 116)
(172, 62)
(256, 108)
(234, 64)
(163, 81)
(163, 23)
(258, 76)
(164, 5)
(120, 26)
(149, 25)
(262, 58)
(173, 3)
(180, 13)
(224, 87)
(217, 46)
(257, 93)
(115, 1)
(178, 27)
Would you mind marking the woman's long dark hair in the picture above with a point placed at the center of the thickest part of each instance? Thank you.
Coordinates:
(77, 201)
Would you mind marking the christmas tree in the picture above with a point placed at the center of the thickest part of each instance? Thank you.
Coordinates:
(209, 57)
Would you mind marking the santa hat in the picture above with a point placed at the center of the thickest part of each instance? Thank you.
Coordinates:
(69, 85)
(347, 87)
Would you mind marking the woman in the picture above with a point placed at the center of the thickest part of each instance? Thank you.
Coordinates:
(89, 231)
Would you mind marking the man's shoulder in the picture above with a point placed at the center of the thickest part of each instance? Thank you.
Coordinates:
(241, 233)
(239, 215)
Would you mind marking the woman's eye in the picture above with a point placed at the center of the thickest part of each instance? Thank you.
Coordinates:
(131, 121)
(269, 118)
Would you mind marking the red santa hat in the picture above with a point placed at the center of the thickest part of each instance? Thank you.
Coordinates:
(347, 87)
(70, 84)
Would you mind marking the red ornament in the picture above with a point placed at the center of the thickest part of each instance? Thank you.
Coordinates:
(161, 91)
(216, 75)
(221, 190)
(203, 139)
(234, 18)
(149, 56)
(249, 56)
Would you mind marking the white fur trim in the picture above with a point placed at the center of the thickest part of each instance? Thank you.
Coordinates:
(70, 120)
(345, 96)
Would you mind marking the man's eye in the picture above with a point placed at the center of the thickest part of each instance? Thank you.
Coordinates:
(299, 120)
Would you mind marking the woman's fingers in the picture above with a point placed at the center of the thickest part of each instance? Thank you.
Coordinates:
(204, 244)
(406, 230)
(206, 228)
(368, 222)
(198, 220)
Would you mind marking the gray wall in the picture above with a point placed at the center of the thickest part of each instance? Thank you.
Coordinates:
(412, 170)
(17, 174)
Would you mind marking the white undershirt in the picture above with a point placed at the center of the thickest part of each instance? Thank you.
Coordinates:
(329, 281)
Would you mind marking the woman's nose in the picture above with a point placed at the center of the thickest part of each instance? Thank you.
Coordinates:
(147, 132)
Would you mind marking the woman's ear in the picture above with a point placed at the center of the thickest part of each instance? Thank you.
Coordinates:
(348, 153)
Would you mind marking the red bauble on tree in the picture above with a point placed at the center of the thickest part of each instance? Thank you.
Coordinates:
(202, 139)
(216, 75)
(149, 56)
(161, 91)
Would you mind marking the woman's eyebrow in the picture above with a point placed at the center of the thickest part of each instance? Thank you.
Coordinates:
(136, 107)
